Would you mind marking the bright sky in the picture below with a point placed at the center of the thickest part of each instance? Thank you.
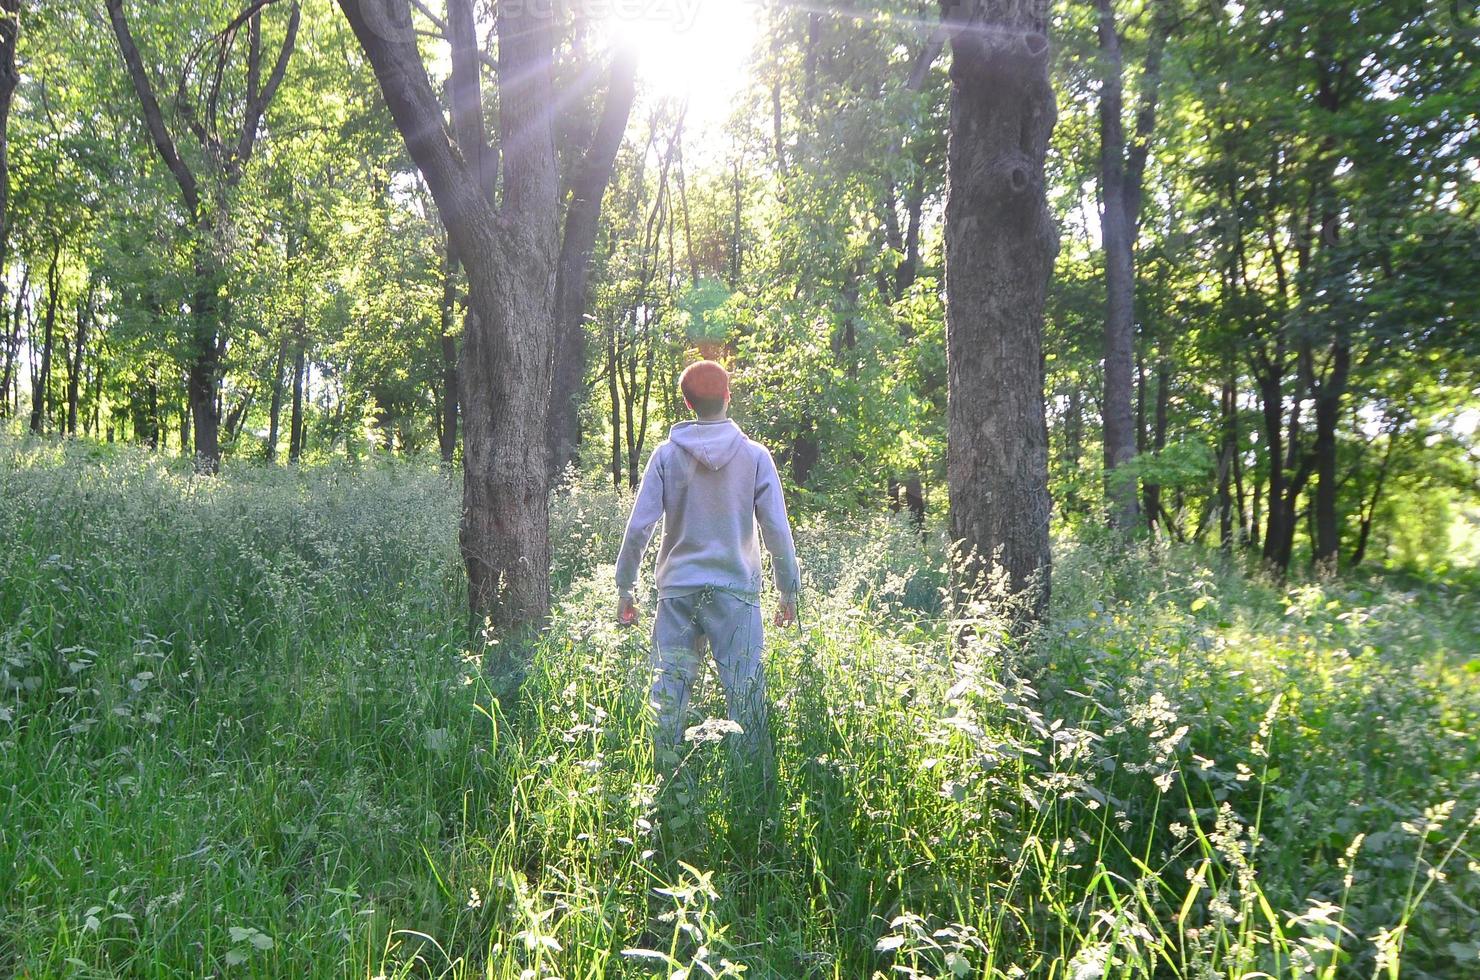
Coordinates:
(689, 48)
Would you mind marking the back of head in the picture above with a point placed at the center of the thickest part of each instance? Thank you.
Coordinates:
(706, 387)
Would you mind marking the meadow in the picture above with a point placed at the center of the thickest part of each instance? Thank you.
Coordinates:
(244, 732)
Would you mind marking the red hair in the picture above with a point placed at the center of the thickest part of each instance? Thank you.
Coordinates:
(705, 385)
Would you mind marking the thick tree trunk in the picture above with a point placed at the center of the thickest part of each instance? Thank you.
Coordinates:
(510, 253)
(1000, 245)
(1118, 236)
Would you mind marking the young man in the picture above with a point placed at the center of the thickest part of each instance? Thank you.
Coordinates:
(712, 487)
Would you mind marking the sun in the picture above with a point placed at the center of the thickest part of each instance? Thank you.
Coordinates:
(688, 49)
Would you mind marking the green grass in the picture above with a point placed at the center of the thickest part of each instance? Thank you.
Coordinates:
(244, 733)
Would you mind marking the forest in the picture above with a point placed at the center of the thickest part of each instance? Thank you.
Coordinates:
(1120, 361)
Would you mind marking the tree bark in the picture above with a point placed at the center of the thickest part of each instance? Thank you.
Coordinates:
(1000, 244)
(447, 431)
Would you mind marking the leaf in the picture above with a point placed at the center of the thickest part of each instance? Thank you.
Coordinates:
(1200, 602)
(888, 944)
(236, 957)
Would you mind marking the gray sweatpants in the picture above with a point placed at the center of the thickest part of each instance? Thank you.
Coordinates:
(733, 628)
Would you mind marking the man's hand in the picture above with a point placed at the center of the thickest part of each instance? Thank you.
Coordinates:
(786, 611)
(626, 611)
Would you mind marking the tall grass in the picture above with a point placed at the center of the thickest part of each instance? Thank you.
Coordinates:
(244, 732)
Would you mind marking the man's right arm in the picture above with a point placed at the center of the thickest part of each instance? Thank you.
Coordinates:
(646, 513)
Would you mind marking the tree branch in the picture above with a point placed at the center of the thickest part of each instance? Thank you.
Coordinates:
(163, 143)
(252, 119)
(383, 28)
(466, 95)
(933, 47)
(1161, 30)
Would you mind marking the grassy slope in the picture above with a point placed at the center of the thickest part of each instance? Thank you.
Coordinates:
(242, 732)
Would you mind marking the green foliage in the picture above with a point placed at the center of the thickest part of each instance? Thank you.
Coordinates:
(245, 730)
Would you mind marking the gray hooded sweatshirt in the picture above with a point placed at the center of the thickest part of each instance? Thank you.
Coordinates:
(712, 487)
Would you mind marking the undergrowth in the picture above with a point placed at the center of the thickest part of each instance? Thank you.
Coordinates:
(243, 732)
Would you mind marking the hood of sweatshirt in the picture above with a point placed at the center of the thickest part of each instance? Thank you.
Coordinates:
(713, 443)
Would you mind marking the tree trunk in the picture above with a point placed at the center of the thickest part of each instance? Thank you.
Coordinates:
(10, 29)
(41, 390)
(1122, 171)
(229, 158)
(1118, 235)
(447, 431)
(1369, 510)
(203, 374)
(295, 421)
(736, 239)
(1227, 459)
(1158, 438)
(1120, 349)
(582, 222)
(1000, 245)
(510, 253)
(74, 374)
(613, 388)
(1328, 409)
(275, 406)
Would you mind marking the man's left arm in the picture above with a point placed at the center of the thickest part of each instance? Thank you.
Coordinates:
(770, 513)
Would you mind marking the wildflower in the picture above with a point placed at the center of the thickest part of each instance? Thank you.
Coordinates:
(475, 901)
(712, 730)
(1179, 831)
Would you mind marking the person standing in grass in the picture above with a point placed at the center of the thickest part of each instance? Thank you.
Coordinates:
(713, 488)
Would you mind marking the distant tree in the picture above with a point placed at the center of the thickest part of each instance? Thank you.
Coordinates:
(1000, 245)
(225, 146)
(10, 29)
(1122, 172)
